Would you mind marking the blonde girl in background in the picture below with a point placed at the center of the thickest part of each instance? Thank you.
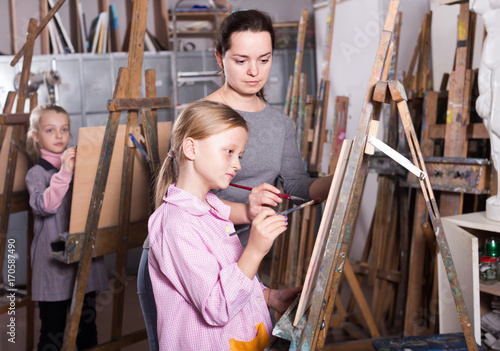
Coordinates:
(49, 184)
(205, 286)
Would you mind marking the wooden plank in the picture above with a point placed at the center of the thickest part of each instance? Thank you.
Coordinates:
(358, 345)
(288, 99)
(13, 27)
(299, 54)
(423, 59)
(457, 178)
(360, 298)
(322, 128)
(474, 131)
(126, 104)
(393, 276)
(14, 118)
(327, 44)
(457, 116)
(74, 26)
(308, 129)
(404, 253)
(390, 247)
(107, 241)
(162, 31)
(319, 117)
(314, 267)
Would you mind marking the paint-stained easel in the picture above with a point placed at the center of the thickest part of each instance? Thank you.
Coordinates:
(126, 97)
(453, 166)
(310, 332)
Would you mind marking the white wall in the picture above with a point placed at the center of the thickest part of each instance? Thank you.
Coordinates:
(356, 37)
(444, 39)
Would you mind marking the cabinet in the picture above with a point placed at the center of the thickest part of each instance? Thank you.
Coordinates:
(465, 234)
(199, 19)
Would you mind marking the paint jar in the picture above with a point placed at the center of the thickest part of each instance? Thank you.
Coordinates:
(488, 266)
(492, 247)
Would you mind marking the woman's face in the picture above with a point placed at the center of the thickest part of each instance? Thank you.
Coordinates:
(248, 62)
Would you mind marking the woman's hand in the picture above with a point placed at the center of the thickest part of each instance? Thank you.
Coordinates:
(68, 160)
(262, 196)
(280, 300)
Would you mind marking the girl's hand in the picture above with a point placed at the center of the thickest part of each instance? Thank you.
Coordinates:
(262, 196)
(266, 227)
(280, 300)
(68, 160)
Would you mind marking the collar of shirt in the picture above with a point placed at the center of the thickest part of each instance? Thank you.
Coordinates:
(191, 204)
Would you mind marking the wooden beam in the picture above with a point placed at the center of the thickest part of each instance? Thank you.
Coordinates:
(125, 104)
(13, 29)
(14, 118)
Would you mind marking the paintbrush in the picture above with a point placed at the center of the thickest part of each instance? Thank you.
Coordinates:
(283, 196)
(284, 213)
(144, 153)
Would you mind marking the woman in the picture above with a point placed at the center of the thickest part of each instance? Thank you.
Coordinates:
(244, 51)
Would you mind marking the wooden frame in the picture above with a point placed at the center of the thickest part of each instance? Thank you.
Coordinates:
(326, 222)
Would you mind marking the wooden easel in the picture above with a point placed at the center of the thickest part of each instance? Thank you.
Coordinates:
(126, 97)
(380, 261)
(455, 134)
(310, 333)
(13, 126)
(291, 104)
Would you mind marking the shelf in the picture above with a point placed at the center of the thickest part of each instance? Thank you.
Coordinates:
(199, 15)
(196, 34)
(476, 220)
(493, 289)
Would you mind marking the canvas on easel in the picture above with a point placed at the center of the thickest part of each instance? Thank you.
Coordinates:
(326, 222)
(87, 159)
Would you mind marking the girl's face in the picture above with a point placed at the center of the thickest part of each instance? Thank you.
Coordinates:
(218, 158)
(53, 132)
(247, 63)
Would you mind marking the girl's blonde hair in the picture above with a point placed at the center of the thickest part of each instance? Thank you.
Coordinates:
(199, 120)
(31, 145)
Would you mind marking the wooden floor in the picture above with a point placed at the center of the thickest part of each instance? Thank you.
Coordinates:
(133, 320)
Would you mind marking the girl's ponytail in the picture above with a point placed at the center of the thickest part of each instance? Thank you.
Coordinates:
(166, 176)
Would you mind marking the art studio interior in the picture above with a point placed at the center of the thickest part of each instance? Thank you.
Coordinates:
(368, 217)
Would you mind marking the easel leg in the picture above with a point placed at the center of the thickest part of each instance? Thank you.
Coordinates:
(93, 218)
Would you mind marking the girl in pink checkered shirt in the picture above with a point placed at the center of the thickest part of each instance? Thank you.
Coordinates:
(206, 290)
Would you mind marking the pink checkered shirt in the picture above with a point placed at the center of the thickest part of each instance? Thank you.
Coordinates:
(202, 297)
